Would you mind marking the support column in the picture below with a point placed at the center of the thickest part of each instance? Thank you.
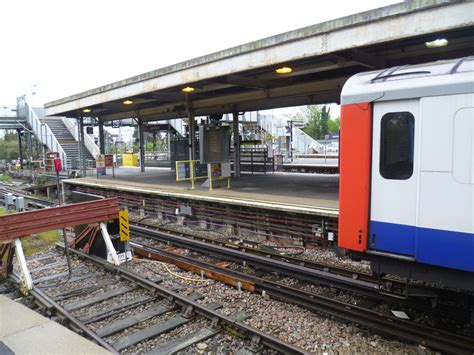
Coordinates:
(30, 151)
(81, 146)
(192, 136)
(19, 148)
(168, 142)
(291, 140)
(25, 273)
(235, 116)
(192, 128)
(141, 137)
(101, 136)
(111, 252)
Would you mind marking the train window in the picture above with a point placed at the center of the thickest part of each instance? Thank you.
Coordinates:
(397, 137)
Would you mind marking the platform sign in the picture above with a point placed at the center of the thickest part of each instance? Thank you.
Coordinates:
(124, 226)
(109, 160)
(100, 164)
(225, 170)
(214, 143)
(182, 171)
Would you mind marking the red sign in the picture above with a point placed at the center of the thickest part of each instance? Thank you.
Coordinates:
(57, 165)
(109, 160)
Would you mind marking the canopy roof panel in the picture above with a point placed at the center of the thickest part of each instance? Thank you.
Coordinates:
(322, 58)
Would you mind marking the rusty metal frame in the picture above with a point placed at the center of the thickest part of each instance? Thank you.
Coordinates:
(23, 224)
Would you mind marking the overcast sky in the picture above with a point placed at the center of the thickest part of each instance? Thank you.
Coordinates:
(69, 46)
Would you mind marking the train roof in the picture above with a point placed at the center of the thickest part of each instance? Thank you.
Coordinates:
(447, 77)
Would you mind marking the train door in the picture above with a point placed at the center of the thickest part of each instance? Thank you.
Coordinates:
(394, 179)
(445, 234)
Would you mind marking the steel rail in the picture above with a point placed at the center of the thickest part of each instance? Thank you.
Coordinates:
(266, 339)
(403, 329)
(365, 288)
(419, 303)
(49, 303)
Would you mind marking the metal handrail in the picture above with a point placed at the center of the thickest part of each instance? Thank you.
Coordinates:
(88, 141)
(44, 134)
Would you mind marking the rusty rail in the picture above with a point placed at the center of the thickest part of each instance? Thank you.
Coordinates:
(208, 271)
(23, 224)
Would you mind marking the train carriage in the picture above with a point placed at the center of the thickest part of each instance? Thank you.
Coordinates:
(407, 171)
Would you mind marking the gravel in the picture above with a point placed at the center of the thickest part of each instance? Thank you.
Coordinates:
(311, 331)
(308, 330)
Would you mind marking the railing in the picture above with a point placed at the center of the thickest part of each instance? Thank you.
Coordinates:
(192, 170)
(44, 134)
(178, 126)
(76, 164)
(157, 156)
(88, 141)
(256, 159)
(11, 112)
(304, 143)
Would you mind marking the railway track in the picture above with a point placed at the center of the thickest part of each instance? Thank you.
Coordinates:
(31, 201)
(331, 275)
(364, 283)
(403, 329)
(123, 311)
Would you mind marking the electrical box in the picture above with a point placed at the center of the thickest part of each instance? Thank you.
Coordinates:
(8, 199)
(20, 204)
(214, 143)
(89, 130)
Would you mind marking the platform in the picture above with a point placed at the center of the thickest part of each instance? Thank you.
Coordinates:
(302, 193)
(23, 331)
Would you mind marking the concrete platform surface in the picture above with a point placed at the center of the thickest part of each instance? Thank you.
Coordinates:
(23, 331)
(288, 191)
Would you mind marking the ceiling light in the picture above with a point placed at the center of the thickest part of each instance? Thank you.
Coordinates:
(284, 70)
(87, 110)
(127, 102)
(440, 42)
(187, 89)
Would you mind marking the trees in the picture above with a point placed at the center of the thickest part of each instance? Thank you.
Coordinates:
(334, 124)
(9, 146)
(318, 121)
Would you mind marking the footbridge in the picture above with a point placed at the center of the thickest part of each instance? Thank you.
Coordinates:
(11, 118)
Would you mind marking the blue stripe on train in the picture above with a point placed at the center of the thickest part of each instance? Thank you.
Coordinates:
(431, 246)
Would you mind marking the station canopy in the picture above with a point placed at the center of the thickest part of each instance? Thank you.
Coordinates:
(300, 67)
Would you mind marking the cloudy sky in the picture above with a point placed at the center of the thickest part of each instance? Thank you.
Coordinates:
(66, 47)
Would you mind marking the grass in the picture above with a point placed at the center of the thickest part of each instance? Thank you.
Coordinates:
(5, 178)
(3, 211)
(40, 242)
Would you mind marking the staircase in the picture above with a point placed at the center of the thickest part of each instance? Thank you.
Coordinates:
(303, 143)
(67, 142)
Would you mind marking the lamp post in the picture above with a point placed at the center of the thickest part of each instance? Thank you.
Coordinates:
(33, 92)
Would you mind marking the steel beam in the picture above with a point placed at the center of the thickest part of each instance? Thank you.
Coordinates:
(235, 117)
(101, 136)
(141, 147)
(20, 150)
(256, 98)
(24, 224)
(81, 146)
